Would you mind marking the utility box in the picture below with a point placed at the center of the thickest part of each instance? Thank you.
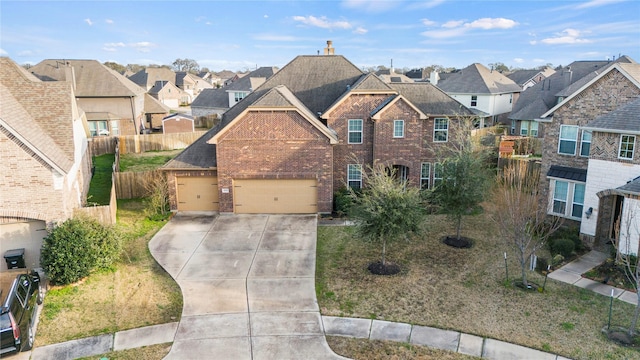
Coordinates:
(14, 258)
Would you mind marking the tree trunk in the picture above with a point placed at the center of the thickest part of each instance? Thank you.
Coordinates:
(524, 274)
(384, 251)
(634, 319)
(459, 225)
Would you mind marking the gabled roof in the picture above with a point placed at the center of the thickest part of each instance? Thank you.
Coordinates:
(520, 77)
(252, 80)
(146, 78)
(211, 98)
(178, 115)
(478, 79)
(538, 99)
(153, 106)
(198, 155)
(390, 76)
(92, 78)
(366, 84)
(159, 85)
(17, 122)
(632, 187)
(182, 75)
(625, 119)
(431, 100)
(219, 98)
(225, 74)
(280, 98)
(630, 71)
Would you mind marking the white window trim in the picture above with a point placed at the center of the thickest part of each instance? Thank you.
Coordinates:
(435, 173)
(583, 141)
(359, 179)
(425, 179)
(349, 131)
(446, 131)
(633, 148)
(394, 128)
(569, 201)
(560, 139)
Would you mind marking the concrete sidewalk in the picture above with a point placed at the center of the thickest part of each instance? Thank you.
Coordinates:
(571, 273)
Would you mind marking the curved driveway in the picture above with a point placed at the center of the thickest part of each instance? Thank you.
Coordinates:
(248, 283)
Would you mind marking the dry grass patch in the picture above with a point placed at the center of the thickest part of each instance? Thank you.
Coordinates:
(136, 292)
(362, 349)
(463, 290)
(153, 352)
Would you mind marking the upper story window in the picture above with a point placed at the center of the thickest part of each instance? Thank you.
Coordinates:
(237, 96)
(474, 100)
(398, 128)
(355, 131)
(585, 143)
(568, 139)
(441, 130)
(354, 176)
(627, 143)
(425, 173)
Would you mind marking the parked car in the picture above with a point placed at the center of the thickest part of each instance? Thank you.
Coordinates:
(18, 314)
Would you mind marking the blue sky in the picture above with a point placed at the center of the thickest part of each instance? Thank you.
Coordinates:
(240, 35)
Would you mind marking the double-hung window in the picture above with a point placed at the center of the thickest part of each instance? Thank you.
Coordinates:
(585, 143)
(568, 199)
(355, 131)
(398, 128)
(441, 130)
(474, 100)
(354, 176)
(627, 143)
(437, 174)
(425, 173)
(568, 139)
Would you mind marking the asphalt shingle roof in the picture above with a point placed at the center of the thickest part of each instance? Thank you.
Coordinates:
(478, 79)
(632, 187)
(431, 100)
(623, 119)
(569, 173)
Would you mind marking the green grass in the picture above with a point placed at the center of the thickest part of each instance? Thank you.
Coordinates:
(147, 161)
(100, 187)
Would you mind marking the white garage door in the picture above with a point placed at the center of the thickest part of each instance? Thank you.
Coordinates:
(282, 196)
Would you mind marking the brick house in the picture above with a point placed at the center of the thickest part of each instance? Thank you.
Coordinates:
(581, 157)
(114, 105)
(177, 123)
(306, 132)
(46, 168)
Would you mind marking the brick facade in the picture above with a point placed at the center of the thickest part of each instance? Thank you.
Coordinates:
(177, 125)
(274, 145)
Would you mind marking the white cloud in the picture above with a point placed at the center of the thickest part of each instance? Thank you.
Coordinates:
(597, 3)
(266, 16)
(427, 22)
(109, 21)
(452, 24)
(322, 22)
(3, 52)
(518, 60)
(567, 36)
(112, 47)
(360, 31)
(447, 33)
(492, 23)
(142, 46)
(88, 21)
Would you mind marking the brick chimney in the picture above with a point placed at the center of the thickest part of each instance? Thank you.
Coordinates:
(329, 50)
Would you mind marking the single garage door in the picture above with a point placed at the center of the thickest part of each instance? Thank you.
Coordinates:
(198, 193)
(275, 196)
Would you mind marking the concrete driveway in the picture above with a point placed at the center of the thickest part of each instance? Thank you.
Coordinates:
(248, 283)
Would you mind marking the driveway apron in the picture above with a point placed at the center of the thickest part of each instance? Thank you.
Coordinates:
(248, 284)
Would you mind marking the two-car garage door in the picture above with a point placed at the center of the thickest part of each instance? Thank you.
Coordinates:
(281, 196)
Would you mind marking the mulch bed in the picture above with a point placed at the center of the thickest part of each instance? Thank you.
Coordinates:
(389, 268)
(462, 243)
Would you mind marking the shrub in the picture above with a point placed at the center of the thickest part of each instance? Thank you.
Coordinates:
(76, 247)
(542, 264)
(564, 247)
(342, 201)
(557, 259)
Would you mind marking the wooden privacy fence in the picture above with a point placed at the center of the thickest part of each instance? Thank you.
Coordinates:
(132, 185)
(141, 143)
(105, 214)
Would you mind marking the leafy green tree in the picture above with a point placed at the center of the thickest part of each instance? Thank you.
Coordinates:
(116, 67)
(464, 174)
(78, 246)
(386, 209)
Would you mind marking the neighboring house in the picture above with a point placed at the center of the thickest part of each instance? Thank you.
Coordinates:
(177, 123)
(528, 78)
(488, 93)
(210, 78)
(538, 99)
(417, 74)
(168, 94)
(309, 130)
(113, 103)
(218, 101)
(576, 167)
(155, 111)
(613, 202)
(390, 76)
(191, 84)
(46, 167)
(147, 78)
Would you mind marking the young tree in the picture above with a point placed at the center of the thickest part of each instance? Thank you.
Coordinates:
(157, 188)
(464, 173)
(386, 209)
(627, 252)
(521, 221)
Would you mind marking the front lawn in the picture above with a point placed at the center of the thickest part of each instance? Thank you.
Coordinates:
(137, 292)
(462, 290)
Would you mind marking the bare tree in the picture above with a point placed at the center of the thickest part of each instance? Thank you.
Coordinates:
(157, 188)
(627, 252)
(521, 220)
(188, 65)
